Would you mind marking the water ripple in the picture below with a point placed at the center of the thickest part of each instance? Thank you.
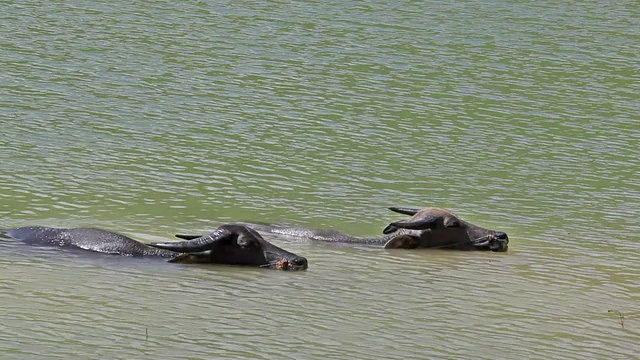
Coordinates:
(163, 118)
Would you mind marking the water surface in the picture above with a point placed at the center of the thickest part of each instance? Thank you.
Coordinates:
(174, 117)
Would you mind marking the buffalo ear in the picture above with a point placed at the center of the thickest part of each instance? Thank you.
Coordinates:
(245, 241)
(389, 229)
(451, 221)
(402, 242)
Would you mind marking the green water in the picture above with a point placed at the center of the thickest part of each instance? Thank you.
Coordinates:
(173, 117)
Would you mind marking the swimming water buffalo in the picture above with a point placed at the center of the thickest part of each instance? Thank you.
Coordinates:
(230, 244)
(427, 228)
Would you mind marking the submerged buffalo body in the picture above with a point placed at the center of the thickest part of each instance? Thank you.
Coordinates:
(427, 228)
(230, 244)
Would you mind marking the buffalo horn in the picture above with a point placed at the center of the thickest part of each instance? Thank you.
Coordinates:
(419, 224)
(195, 245)
(404, 210)
(187, 237)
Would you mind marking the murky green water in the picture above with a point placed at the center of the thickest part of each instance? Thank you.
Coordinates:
(169, 117)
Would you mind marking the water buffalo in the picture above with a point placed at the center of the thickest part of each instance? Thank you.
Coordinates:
(230, 244)
(427, 228)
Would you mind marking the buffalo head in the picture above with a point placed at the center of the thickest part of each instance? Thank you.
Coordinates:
(439, 228)
(233, 244)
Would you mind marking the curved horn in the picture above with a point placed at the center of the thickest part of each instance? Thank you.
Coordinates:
(424, 223)
(404, 210)
(187, 237)
(195, 245)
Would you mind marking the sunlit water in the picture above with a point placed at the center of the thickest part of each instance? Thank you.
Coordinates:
(158, 118)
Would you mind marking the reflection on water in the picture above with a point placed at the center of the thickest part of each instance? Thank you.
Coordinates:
(152, 120)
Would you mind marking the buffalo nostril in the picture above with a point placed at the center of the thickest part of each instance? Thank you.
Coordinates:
(299, 261)
(500, 235)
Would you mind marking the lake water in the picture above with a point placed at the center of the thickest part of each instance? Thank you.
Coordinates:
(156, 118)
